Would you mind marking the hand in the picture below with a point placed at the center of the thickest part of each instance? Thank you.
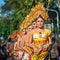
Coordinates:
(35, 50)
(45, 47)
(25, 49)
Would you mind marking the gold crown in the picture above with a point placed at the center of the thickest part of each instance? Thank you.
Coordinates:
(34, 13)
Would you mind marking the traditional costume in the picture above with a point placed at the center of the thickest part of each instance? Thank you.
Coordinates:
(38, 39)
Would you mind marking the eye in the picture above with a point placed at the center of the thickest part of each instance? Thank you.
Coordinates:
(29, 28)
(38, 21)
(33, 24)
(32, 28)
(41, 21)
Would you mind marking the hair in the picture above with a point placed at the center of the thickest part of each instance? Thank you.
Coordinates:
(53, 39)
(40, 17)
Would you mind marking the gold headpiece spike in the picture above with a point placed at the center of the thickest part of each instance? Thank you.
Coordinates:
(34, 13)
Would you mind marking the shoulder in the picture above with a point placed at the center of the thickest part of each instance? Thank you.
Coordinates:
(31, 32)
(48, 31)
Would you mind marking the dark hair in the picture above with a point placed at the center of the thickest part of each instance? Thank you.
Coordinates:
(53, 39)
(40, 17)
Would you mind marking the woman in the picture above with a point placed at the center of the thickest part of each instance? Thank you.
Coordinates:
(54, 50)
(37, 40)
(29, 28)
(34, 25)
(35, 43)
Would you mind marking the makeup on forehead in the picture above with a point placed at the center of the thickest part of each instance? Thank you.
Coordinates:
(40, 16)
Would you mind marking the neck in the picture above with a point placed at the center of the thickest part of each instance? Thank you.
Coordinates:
(41, 27)
(38, 28)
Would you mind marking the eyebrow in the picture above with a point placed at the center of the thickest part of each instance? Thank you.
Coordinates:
(40, 20)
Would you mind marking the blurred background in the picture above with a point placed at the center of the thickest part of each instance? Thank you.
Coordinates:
(13, 12)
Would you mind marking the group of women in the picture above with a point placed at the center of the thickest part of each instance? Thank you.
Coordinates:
(33, 41)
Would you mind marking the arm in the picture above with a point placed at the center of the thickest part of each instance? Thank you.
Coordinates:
(49, 41)
(30, 43)
(48, 44)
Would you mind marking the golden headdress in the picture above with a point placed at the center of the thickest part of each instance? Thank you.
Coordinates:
(34, 13)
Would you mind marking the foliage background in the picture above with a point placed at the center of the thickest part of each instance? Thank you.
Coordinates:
(13, 13)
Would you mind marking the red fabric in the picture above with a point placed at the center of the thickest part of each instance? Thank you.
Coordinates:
(59, 46)
(30, 57)
(39, 15)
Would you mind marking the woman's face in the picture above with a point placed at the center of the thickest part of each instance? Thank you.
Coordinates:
(34, 25)
(30, 28)
(40, 22)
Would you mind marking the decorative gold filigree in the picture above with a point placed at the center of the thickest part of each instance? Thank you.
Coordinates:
(34, 13)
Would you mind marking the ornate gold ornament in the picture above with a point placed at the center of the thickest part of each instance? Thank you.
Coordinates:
(34, 13)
